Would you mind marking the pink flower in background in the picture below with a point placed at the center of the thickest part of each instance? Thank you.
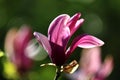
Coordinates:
(91, 66)
(105, 69)
(60, 31)
(15, 45)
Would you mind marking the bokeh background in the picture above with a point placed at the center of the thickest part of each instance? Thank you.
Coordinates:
(102, 19)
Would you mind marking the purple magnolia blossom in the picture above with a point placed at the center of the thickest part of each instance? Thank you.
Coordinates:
(60, 31)
(91, 66)
(15, 46)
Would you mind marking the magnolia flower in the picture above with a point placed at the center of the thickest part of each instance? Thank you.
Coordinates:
(16, 43)
(91, 66)
(59, 32)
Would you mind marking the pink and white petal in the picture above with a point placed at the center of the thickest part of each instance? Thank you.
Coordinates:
(22, 38)
(58, 32)
(91, 57)
(87, 41)
(107, 67)
(84, 41)
(21, 41)
(75, 22)
(77, 25)
(56, 21)
(71, 23)
(43, 40)
(9, 40)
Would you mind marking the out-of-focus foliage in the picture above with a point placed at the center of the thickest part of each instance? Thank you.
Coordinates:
(9, 70)
(102, 19)
(1, 53)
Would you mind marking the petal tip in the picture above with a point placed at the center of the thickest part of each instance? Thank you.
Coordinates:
(78, 14)
(89, 41)
(35, 33)
(102, 43)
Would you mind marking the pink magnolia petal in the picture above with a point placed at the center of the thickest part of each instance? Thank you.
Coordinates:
(90, 57)
(89, 41)
(75, 23)
(107, 67)
(58, 32)
(84, 41)
(73, 20)
(43, 40)
(22, 39)
(20, 43)
(58, 54)
(54, 24)
(9, 40)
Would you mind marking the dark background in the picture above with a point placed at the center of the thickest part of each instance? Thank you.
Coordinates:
(102, 19)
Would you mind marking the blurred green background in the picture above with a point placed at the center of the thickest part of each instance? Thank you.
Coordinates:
(102, 19)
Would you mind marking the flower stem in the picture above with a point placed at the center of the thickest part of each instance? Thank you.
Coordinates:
(58, 73)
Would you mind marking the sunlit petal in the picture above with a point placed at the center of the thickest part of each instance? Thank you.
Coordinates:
(9, 39)
(91, 57)
(58, 32)
(43, 40)
(107, 67)
(75, 23)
